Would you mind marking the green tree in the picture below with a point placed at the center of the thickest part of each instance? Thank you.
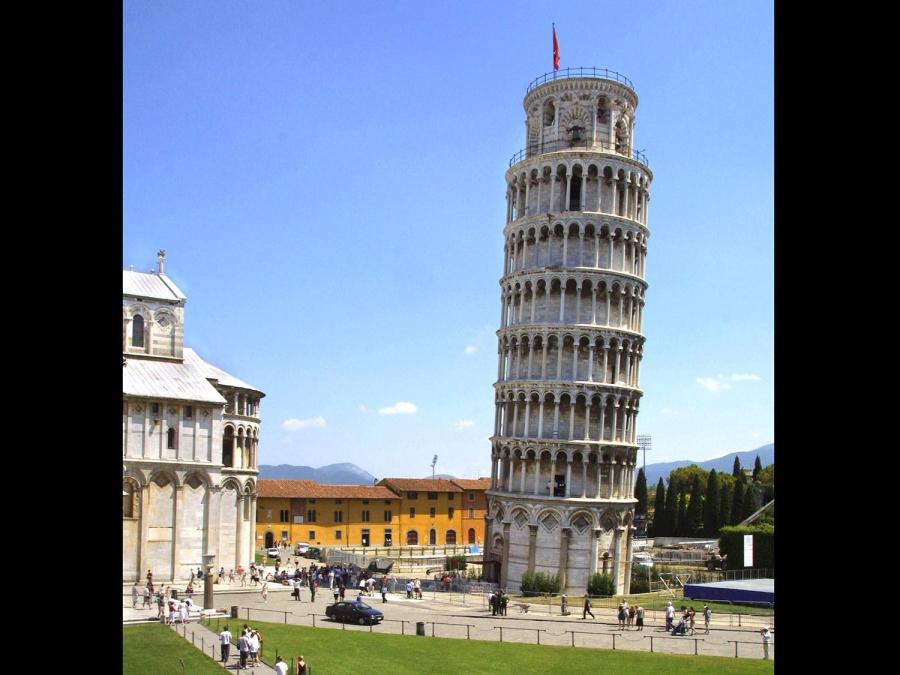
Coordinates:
(711, 506)
(682, 529)
(694, 515)
(749, 507)
(683, 477)
(671, 513)
(640, 493)
(725, 503)
(757, 467)
(659, 510)
(736, 470)
(737, 503)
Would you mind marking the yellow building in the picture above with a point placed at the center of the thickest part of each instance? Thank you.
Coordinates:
(474, 508)
(326, 515)
(430, 511)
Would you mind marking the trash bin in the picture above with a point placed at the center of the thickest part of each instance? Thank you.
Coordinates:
(420, 628)
(234, 611)
(174, 593)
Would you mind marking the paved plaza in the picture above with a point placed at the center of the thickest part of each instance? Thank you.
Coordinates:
(455, 615)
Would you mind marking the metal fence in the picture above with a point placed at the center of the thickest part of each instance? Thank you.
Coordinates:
(580, 71)
(555, 145)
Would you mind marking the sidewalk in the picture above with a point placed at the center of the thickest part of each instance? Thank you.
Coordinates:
(207, 641)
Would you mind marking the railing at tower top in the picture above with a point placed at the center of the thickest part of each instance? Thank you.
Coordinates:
(566, 73)
(565, 144)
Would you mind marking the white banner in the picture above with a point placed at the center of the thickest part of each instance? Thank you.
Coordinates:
(748, 550)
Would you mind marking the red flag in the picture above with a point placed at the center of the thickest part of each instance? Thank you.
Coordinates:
(555, 50)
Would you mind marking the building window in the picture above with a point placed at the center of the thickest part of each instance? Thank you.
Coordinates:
(387, 516)
(283, 516)
(337, 534)
(432, 512)
(450, 496)
(412, 511)
(471, 535)
(365, 515)
(432, 495)
(365, 537)
(312, 535)
(311, 515)
(412, 495)
(450, 512)
(471, 496)
(432, 537)
(365, 501)
(171, 438)
(155, 408)
(268, 514)
(412, 538)
(188, 412)
(451, 538)
(471, 513)
(311, 501)
(339, 516)
(338, 501)
(388, 537)
(137, 331)
(387, 501)
(284, 535)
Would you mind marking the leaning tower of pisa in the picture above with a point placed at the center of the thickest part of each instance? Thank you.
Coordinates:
(570, 344)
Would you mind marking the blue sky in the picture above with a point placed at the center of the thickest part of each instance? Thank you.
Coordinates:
(327, 179)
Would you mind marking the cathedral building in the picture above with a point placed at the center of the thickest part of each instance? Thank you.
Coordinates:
(190, 437)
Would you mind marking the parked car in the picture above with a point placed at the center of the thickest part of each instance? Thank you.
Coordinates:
(301, 548)
(381, 566)
(272, 553)
(355, 612)
(313, 552)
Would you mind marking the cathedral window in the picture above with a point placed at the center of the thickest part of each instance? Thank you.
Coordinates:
(171, 438)
(137, 331)
(188, 412)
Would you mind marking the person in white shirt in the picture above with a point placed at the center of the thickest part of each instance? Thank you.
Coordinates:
(280, 666)
(183, 611)
(254, 647)
(244, 647)
(135, 592)
(225, 644)
(766, 636)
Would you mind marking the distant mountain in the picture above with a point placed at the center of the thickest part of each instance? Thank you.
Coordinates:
(445, 476)
(720, 464)
(341, 474)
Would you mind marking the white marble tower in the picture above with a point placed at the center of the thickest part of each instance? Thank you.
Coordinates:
(570, 344)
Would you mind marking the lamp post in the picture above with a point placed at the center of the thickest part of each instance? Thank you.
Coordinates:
(208, 560)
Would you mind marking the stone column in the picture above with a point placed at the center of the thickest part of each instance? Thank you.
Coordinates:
(552, 474)
(556, 419)
(565, 241)
(213, 518)
(541, 419)
(527, 186)
(252, 525)
(522, 465)
(504, 567)
(587, 419)
(533, 299)
(590, 376)
(537, 473)
(532, 546)
(178, 517)
(143, 562)
(563, 556)
(145, 443)
(612, 478)
(239, 532)
(575, 348)
(530, 355)
(568, 193)
(621, 312)
(602, 421)
(562, 299)
(515, 418)
(613, 425)
(617, 558)
(612, 240)
(552, 184)
(597, 234)
(598, 495)
(527, 415)
(568, 477)
(583, 477)
(572, 421)
(629, 555)
(595, 540)
(512, 467)
(608, 306)
(605, 361)
(618, 362)
(594, 306)
(544, 347)
(577, 303)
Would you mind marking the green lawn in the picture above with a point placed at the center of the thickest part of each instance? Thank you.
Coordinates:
(331, 652)
(154, 649)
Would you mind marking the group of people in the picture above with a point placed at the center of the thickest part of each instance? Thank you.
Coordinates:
(413, 590)
(498, 602)
(630, 617)
(169, 609)
(250, 647)
(687, 621)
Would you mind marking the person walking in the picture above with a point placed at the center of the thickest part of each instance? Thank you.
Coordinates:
(707, 615)
(225, 643)
(766, 636)
(336, 592)
(587, 607)
(135, 592)
(244, 649)
(670, 616)
(691, 615)
(147, 592)
(313, 587)
(265, 591)
(258, 637)
(639, 615)
(301, 666)
(417, 588)
(409, 589)
(622, 614)
(384, 591)
(160, 605)
(281, 667)
(252, 648)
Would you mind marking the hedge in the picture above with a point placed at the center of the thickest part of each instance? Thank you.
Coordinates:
(731, 543)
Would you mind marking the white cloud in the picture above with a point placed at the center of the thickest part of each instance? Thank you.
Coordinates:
(713, 384)
(745, 377)
(470, 349)
(399, 408)
(292, 424)
(464, 424)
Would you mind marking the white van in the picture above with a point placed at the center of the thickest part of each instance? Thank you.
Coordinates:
(301, 548)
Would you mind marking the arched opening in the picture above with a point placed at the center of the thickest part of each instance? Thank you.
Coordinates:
(432, 537)
(451, 538)
(575, 190)
(170, 438)
(412, 538)
(549, 113)
(137, 331)
(129, 499)
(270, 540)
(471, 535)
(228, 447)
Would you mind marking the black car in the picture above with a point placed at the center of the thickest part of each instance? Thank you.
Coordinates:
(355, 612)
(313, 552)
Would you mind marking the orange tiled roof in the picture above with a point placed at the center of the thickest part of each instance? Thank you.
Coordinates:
(473, 484)
(303, 489)
(420, 484)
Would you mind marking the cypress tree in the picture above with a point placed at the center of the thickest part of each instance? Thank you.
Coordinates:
(711, 505)
(737, 503)
(725, 507)
(659, 509)
(694, 514)
(736, 470)
(681, 522)
(671, 513)
(749, 507)
(756, 469)
(640, 493)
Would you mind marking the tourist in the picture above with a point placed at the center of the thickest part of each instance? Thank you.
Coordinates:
(418, 589)
(150, 580)
(244, 649)
(670, 616)
(182, 611)
(172, 611)
(161, 605)
(639, 613)
(504, 601)
(691, 614)
(301, 666)
(147, 592)
(258, 641)
(707, 615)
(313, 587)
(252, 647)
(135, 593)
(409, 589)
(631, 613)
(336, 592)
(622, 614)
(265, 591)
(341, 589)
(587, 607)
(280, 666)
(766, 636)
(231, 576)
(384, 591)
(225, 643)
